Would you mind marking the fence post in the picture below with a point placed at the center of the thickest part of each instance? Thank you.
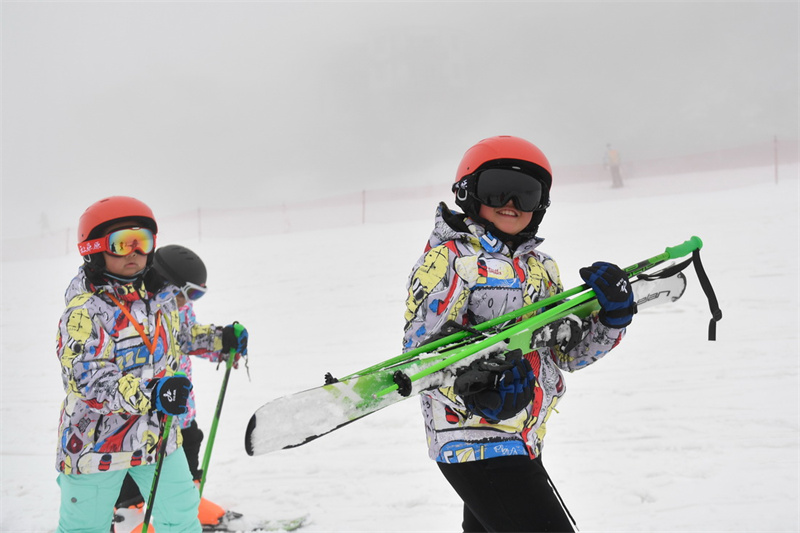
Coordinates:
(776, 158)
(363, 206)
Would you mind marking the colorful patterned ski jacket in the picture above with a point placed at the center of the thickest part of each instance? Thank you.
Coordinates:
(112, 341)
(469, 276)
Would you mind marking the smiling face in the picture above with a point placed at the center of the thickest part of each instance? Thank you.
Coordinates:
(127, 266)
(507, 219)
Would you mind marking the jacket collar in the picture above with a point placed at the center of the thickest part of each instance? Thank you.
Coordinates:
(454, 226)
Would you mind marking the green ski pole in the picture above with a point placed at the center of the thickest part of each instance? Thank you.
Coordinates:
(535, 322)
(162, 452)
(672, 252)
(237, 328)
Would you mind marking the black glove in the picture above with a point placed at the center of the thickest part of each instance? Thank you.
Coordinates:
(170, 394)
(497, 389)
(234, 337)
(614, 293)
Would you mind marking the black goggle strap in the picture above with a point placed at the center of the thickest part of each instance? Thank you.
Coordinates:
(464, 187)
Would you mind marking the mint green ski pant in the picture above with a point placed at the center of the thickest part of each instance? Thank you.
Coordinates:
(87, 500)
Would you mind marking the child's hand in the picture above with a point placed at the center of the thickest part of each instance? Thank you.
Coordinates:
(496, 389)
(170, 395)
(614, 292)
(234, 337)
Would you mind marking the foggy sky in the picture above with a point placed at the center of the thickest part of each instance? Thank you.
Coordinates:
(187, 104)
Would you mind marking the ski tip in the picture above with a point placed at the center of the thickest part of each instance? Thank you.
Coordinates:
(248, 442)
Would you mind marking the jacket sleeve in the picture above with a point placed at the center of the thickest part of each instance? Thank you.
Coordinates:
(201, 340)
(436, 294)
(198, 339)
(596, 341)
(88, 367)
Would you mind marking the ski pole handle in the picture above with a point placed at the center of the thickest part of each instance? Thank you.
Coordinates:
(237, 329)
(671, 252)
(695, 243)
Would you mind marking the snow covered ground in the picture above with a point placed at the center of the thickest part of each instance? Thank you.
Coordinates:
(669, 433)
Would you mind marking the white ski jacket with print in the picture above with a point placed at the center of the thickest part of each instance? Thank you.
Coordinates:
(107, 362)
(469, 276)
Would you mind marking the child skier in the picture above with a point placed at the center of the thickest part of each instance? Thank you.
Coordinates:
(487, 441)
(119, 352)
(184, 269)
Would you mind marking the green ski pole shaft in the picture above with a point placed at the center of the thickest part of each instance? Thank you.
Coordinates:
(455, 337)
(214, 423)
(163, 438)
(672, 252)
(213, 433)
(535, 322)
(587, 300)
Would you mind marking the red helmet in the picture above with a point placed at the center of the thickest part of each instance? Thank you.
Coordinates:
(509, 150)
(503, 151)
(105, 212)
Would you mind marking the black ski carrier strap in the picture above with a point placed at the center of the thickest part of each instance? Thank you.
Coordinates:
(716, 312)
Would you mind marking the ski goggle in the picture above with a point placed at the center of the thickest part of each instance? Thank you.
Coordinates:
(496, 186)
(121, 242)
(192, 291)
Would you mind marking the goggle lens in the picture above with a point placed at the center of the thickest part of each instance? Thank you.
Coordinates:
(496, 186)
(126, 241)
(192, 291)
(121, 242)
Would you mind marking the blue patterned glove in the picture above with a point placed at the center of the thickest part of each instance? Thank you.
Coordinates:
(614, 293)
(234, 337)
(497, 389)
(170, 394)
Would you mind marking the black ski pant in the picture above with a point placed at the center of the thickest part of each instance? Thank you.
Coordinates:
(507, 494)
(192, 439)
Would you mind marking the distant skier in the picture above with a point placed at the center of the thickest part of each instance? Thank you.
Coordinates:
(119, 347)
(486, 431)
(184, 269)
(612, 162)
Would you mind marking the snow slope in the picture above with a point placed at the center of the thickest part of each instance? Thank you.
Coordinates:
(669, 433)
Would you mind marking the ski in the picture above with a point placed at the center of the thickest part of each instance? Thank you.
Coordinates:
(299, 418)
(130, 520)
(691, 246)
(236, 522)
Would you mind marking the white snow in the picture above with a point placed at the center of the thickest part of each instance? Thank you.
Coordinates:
(670, 432)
